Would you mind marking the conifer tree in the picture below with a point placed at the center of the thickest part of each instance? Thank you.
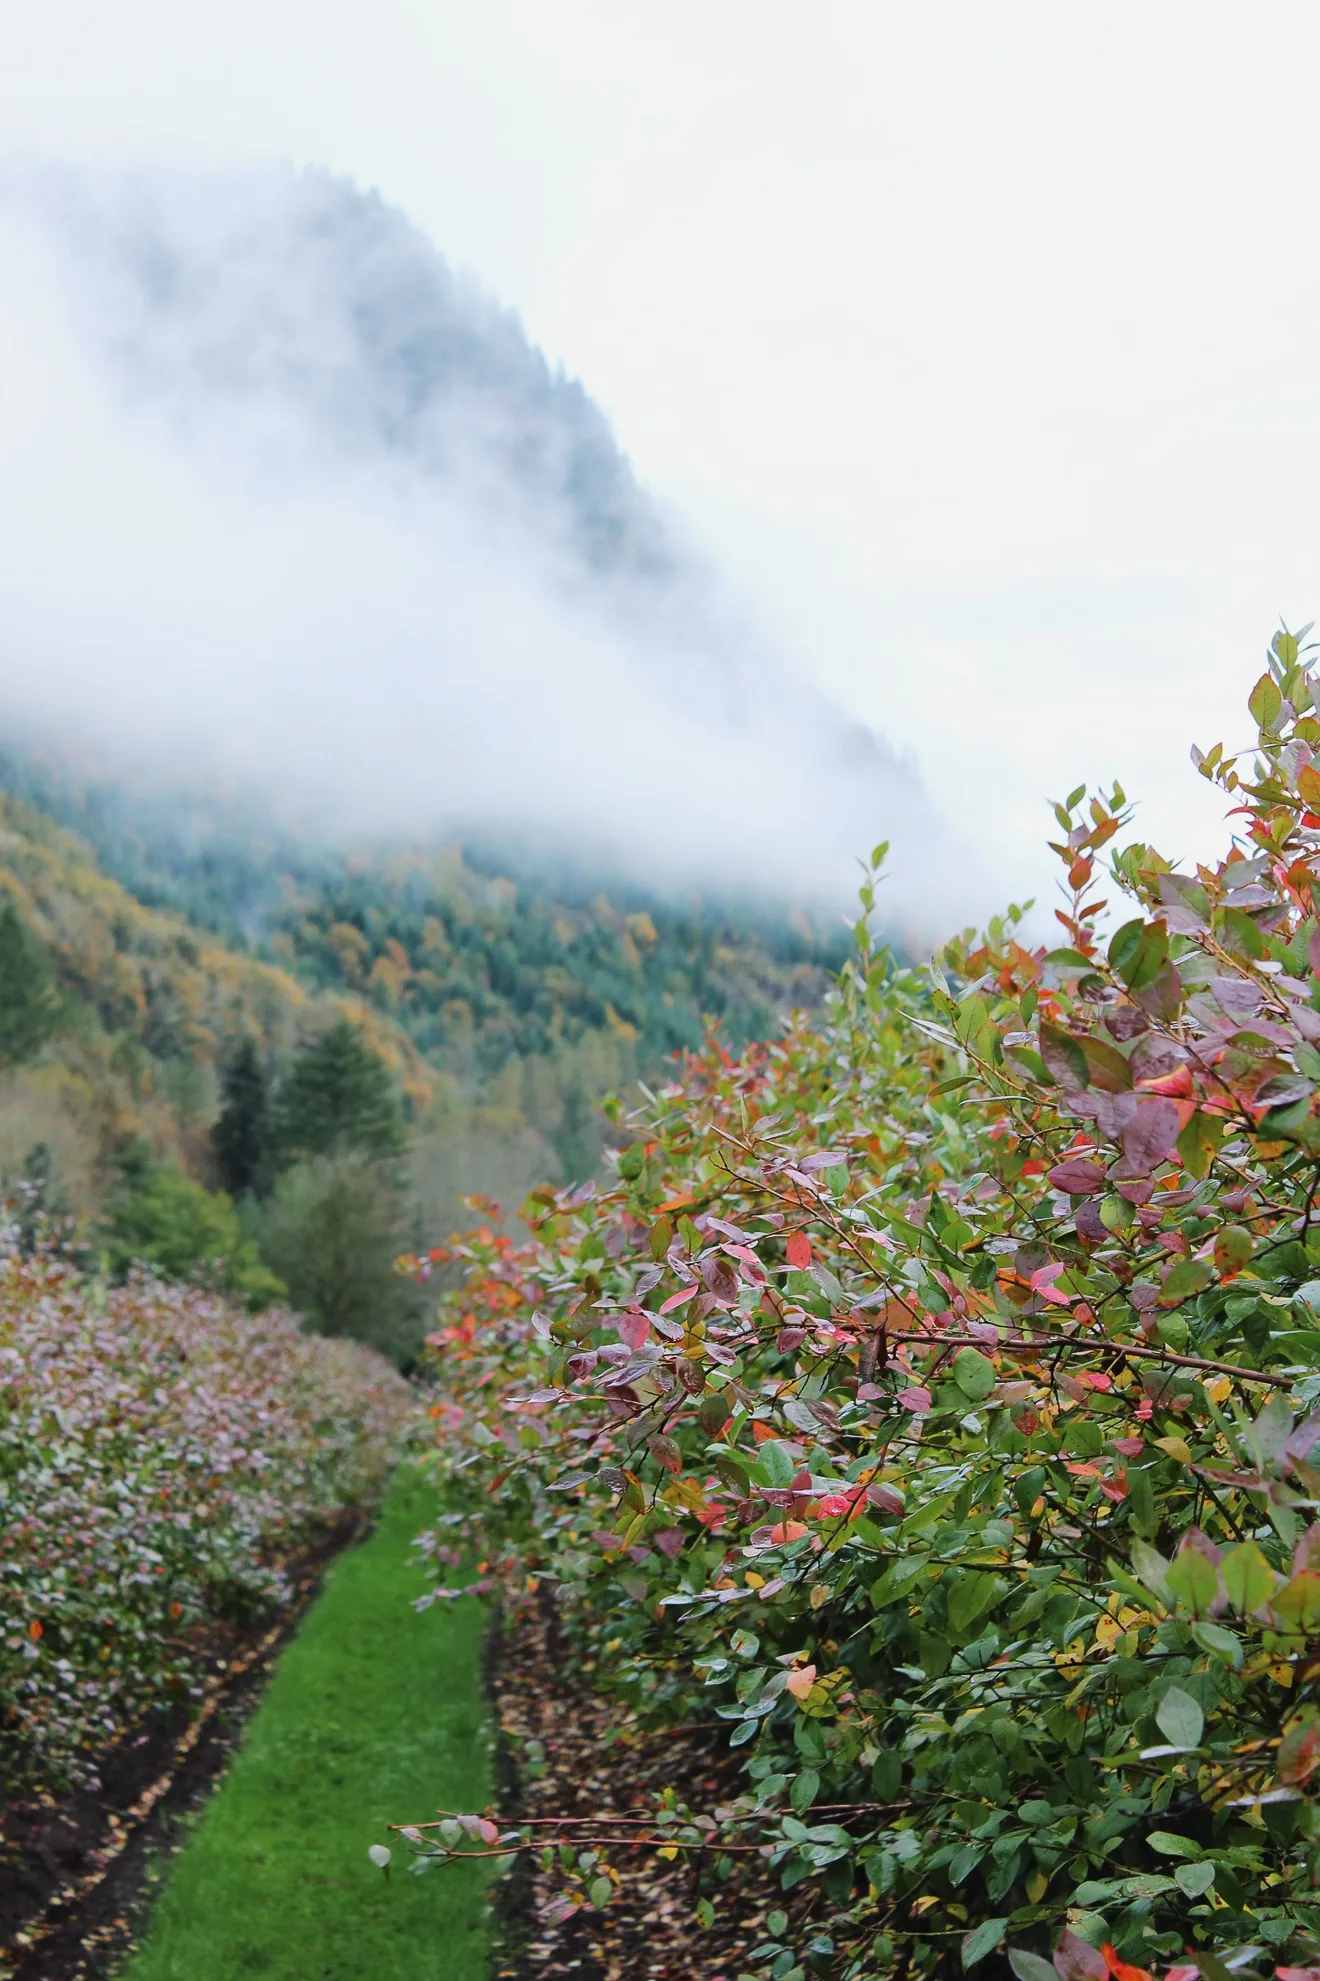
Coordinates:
(241, 1135)
(30, 1006)
(338, 1096)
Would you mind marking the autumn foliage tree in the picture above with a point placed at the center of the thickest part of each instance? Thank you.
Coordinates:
(930, 1397)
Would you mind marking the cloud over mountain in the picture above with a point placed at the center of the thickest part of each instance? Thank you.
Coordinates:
(287, 500)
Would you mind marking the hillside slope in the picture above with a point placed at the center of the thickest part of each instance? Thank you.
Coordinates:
(534, 991)
(154, 1005)
(505, 1007)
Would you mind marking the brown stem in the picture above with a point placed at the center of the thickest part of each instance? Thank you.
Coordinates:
(1049, 1344)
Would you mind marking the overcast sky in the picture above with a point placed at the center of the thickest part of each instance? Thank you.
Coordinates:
(978, 343)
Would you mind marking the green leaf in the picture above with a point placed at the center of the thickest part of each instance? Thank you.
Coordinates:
(983, 1939)
(1285, 1120)
(1297, 1604)
(968, 1596)
(1141, 1499)
(1247, 1577)
(1138, 952)
(774, 1467)
(1194, 1880)
(805, 1789)
(1067, 959)
(887, 1776)
(1153, 1570)
(1233, 1247)
(894, 1584)
(1199, 1142)
(1179, 1718)
(1220, 1643)
(1264, 702)
(1030, 1966)
(1189, 1276)
(1241, 933)
(974, 1374)
(1193, 1580)
(600, 1892)
(1170, 1845)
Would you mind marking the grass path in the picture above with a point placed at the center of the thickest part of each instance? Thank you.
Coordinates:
(374, 1715)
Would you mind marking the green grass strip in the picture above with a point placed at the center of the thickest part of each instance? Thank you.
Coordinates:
(374, 1715)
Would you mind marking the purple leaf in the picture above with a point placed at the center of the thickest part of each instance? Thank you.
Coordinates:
(1151, 1136)
(1077, 1177)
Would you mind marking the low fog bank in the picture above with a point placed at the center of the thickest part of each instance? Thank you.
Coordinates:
(287, 505)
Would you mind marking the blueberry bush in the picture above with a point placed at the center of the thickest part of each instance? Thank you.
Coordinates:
(931, 1396)
(163, 1453)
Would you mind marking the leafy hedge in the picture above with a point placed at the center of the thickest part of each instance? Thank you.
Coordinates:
(929, 1398)
(161, 1452)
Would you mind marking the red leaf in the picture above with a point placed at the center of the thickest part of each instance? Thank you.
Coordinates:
(1177, 1085)
(799, 1251)
(916, 1399)
(634, 1327)
(678, 1299)
(1299, 1753)
(1122, 1970)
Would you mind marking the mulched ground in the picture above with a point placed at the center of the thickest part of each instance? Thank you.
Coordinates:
(598, 1759)
(73, 1869)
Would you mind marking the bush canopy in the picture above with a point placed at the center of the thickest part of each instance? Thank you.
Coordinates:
(930, 1396)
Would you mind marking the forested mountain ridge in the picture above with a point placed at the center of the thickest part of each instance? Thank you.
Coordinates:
(480, 968)
(477, 954)
(152, 1006)
(504, 1007)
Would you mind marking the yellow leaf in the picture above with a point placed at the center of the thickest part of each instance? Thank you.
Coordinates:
(1036, 1885)
(1177, 1448)
(1219, 1390)
(669, 1851)
(753, 1580)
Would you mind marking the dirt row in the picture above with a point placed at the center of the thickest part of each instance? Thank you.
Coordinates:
(597, 1759)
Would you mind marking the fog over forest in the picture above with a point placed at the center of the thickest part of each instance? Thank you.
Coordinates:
(292, 506)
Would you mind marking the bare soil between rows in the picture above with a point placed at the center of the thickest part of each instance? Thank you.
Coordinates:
(599, 1758)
